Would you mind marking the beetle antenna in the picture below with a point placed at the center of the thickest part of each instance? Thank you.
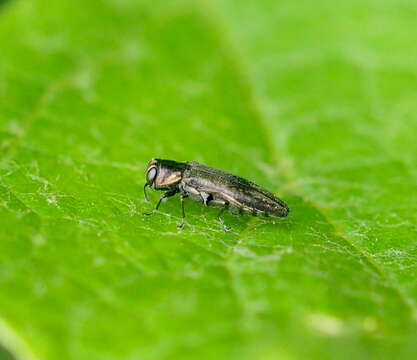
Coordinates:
(144, 191)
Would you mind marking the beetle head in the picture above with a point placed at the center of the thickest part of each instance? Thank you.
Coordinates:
(164, 174)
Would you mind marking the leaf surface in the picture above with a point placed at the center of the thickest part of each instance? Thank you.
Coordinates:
(313, 101)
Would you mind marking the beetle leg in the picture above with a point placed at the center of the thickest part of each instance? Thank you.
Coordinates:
(225, 227)
(206, 197)
(162, 197)
(182, 197)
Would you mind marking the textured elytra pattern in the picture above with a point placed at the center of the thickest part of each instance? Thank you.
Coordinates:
(322, 118)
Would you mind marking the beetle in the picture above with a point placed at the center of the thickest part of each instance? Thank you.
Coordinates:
(211, 187)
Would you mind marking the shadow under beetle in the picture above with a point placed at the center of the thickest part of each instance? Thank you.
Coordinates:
(212, 187)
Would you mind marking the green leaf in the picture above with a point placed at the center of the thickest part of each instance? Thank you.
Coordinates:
(313, 100)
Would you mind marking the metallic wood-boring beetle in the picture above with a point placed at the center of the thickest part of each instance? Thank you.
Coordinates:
(212, 187)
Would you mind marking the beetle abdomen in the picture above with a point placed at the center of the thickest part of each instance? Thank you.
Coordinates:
(238, 192)
(258, 204)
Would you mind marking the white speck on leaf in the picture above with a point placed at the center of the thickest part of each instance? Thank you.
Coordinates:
(325, 324)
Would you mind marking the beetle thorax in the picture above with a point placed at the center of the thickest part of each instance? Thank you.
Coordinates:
(167, 178)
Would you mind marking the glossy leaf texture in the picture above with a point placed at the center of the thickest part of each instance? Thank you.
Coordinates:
(312, 100)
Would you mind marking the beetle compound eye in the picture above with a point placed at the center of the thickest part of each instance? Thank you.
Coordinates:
(151, 175)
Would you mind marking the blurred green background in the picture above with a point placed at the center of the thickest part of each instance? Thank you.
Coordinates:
(315, 100)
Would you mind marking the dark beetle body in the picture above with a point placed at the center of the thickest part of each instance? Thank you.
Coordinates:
(217, 188)
(212, 187)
